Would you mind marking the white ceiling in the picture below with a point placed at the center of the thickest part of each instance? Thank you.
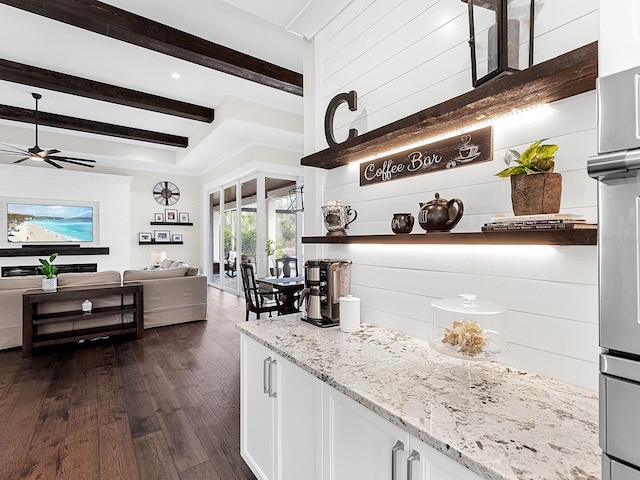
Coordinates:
(253, 27)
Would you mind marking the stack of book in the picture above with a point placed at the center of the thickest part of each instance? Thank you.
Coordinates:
(547, 221)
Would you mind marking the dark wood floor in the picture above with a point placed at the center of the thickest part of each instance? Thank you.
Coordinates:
(164, 407)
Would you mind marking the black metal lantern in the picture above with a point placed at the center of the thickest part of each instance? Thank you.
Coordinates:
(499, 37)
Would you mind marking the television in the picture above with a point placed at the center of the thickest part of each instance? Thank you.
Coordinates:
(39, 223)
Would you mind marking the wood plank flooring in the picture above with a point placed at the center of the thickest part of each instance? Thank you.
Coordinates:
(163, 407)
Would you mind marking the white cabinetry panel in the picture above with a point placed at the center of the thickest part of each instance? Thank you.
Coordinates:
(358, 444)
(257, 425)
(279, 416)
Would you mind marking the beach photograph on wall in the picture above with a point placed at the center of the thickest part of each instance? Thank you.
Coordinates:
(49, 223)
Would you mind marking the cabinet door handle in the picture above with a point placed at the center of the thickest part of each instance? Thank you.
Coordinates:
(272, 392)
(413, 457)
(265, 379)
(399, 446)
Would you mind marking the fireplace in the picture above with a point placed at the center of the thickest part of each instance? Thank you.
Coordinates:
(21, 270)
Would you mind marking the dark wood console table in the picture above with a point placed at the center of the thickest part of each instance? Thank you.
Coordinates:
(32, 319)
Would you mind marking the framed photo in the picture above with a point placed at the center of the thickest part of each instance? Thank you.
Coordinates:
(183, 217)
(144, 237)
(162, 235)
(159, 218)
(176, 237)
(171, 215)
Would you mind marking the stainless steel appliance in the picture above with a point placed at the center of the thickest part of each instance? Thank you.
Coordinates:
(333, 280)
(617, 169)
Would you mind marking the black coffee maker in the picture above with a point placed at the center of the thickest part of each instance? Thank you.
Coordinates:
(332, 278)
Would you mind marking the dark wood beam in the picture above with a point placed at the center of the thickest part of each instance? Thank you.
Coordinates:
(25, 115)
(61, 82)
(113, 22)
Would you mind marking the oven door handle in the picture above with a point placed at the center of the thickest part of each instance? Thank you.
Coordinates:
(620, 367)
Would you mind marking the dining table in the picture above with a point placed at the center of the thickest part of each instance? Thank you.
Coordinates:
(288, 287)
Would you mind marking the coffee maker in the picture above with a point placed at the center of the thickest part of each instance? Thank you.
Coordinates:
(329, 280)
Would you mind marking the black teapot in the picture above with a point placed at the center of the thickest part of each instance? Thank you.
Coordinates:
(440, 215)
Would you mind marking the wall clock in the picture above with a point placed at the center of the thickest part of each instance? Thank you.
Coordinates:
(166, 193)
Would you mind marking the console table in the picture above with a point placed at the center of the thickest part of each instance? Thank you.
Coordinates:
(32, 319)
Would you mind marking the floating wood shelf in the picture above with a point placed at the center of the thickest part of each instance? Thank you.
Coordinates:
(49, 249)
(518, 237)
(174, 224)
(569, 74)
(160, 243)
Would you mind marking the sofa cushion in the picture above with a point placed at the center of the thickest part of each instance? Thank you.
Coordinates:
(136, 275)
(21, 283)
(89, 278)
(166, 263)
(192, 272)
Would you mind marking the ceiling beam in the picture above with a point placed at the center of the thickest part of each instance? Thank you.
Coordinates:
(61, 82)
(25, 115)
(116, 23)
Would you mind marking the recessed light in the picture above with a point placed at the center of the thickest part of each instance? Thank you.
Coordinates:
(175, 75)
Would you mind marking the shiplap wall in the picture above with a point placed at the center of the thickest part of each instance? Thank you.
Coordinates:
(402, 57)
(111, 192)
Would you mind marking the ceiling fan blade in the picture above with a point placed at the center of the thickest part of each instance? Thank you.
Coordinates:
(18, 151)
(52, 163)
(11, 152)
(76, 161)
(59, 157)
(49, 152)
(21, 160)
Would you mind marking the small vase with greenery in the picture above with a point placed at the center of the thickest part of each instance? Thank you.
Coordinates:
(48, 269)
(535, 189)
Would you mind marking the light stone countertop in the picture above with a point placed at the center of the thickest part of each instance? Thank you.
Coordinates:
(502, 423)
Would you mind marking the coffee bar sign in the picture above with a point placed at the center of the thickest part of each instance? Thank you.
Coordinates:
(453, 152)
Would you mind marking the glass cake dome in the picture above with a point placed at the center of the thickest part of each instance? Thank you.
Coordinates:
(467, 328)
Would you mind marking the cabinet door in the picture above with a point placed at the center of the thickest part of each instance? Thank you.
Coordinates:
(299, 414)
(257, 411)
(426, 463)
(359, 445)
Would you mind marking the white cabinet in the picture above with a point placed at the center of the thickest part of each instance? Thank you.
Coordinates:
(619, 42)
(279, 416)
(257, 413)
(426, 463)
(295, 427)
(358, 444)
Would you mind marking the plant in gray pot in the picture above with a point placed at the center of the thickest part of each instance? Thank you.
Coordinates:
(535, 188)
(48, 269)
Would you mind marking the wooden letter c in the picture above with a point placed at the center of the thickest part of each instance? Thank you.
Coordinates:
(351, 99)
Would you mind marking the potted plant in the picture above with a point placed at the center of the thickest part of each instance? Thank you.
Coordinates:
(270, 249)
(535, 188)
(48, 269)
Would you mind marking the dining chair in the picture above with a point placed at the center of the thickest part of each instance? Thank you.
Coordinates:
(231, 263)
(287, 267)
(256, 298)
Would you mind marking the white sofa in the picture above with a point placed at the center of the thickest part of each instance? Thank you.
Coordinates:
(174, 295)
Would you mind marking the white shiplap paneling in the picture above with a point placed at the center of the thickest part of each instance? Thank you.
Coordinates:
(402, 57)
(111, 192)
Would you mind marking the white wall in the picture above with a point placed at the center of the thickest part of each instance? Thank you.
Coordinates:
(111, 192)
(143, 207)
(402, 57)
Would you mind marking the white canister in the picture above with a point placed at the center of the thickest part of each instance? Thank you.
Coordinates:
(349, 314)
(86, 306)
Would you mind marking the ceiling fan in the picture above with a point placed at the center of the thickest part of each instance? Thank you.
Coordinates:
(38, 154)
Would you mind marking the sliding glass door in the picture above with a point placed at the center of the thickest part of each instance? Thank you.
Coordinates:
(257, 226)
(217, 254)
